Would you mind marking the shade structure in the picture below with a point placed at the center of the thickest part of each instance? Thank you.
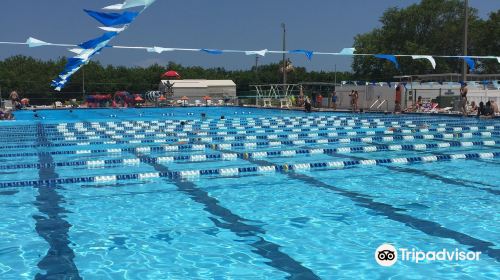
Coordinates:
(184, 98)
(162, 98)
(206, 97)
(171, 74)
(138, 99)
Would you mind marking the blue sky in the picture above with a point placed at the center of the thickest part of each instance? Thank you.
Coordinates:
(320, 25)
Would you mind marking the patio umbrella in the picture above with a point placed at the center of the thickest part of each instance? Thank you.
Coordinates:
(138, 99)
(206, 98)
(184, 99)
(171, 74)
(162, 98)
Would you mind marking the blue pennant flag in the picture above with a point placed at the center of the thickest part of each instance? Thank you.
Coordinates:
(471, 63)
(212, 51)
(95, 42)
(389, 57)
(73, 63)
(111, 19)
(309, 54)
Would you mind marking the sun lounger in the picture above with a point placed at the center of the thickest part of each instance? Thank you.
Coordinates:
(8, 105)
(267, 102)
(285, 103)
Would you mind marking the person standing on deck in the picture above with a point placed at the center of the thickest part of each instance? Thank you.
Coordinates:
(397, 98)
(355, 97)
(319, 100)
(351, 95)
(334, 100)
(463, 99)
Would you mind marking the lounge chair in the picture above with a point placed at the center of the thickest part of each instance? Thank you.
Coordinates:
(8, 105)
(285, 103)
(432, 109)
(445, 110)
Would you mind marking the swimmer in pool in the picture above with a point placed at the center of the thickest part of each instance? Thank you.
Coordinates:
(394, 129)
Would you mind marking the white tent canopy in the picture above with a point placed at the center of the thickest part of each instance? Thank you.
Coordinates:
(199, 88)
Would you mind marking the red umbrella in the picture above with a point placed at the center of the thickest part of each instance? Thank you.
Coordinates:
(206, 98)
(162, 98)
(138, 99)
(184, 98)
(171, 74)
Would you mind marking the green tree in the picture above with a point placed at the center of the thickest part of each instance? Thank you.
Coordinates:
(432, 27)
(32, 77)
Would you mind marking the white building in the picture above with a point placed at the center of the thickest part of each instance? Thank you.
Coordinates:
(368, 95)
(197, 89)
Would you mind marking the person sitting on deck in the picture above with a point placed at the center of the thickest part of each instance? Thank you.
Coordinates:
(494, 107)
(487, 112)
(420, 103)
(7, 115)
(480, 109)
(473, 108)
(307, 104)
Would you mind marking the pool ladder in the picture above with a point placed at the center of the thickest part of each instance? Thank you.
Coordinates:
(380, 103)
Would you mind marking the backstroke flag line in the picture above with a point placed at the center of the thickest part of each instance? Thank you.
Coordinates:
(32, 42)
(87, 50)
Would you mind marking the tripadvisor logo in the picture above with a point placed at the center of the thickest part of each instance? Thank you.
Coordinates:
(388, 255)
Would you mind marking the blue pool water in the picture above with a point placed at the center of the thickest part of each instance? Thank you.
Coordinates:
(260, 194)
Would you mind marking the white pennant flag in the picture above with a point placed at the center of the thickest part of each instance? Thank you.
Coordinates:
(498, 58)
(85, 55)
(114, 7)
(130, 4)
(428, 57)
(159, 50)
(32, 42)
(76, 50)
(347, 51)
(261, 53)
(113, 29)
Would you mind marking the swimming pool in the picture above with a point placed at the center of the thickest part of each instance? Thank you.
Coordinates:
(260, 194)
